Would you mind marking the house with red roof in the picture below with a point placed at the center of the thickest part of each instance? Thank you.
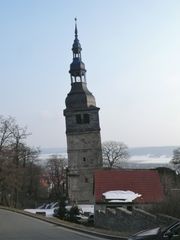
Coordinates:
(114, 187)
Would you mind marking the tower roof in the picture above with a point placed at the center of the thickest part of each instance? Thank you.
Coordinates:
(80, 97)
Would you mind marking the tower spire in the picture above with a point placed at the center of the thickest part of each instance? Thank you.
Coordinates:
(76, 31)
(77, 67)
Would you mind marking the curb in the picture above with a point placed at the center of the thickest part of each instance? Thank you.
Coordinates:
(64, 224)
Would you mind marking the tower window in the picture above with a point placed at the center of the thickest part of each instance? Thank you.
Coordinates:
(84, 159)
(86, 180)
(82, 119)
(78, 119)
(86, 118)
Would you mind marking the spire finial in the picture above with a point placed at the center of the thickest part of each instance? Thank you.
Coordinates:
(76, 32)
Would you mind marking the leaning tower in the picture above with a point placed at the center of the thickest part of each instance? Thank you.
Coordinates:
(82, 131)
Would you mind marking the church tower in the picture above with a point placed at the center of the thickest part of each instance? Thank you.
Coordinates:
(82, 131)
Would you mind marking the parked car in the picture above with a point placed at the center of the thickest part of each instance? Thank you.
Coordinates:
(171, 232)
(45, 209)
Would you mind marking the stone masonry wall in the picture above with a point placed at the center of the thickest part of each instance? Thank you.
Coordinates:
(120, 219)
(84, 156)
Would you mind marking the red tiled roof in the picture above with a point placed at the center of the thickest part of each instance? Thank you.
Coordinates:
(145, 182)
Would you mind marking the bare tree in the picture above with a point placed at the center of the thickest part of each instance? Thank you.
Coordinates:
(5, 158)
(114, 153)
(176, 156)
(6, 134)
(176, 160)
(16, 162)
(57, 176)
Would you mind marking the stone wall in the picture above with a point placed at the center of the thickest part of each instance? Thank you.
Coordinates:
(84, 157)
(120, 219)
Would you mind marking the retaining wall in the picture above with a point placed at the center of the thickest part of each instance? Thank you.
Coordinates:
(120, 219)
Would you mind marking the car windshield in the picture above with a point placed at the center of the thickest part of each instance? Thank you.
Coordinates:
(153, 231)
(171, 227)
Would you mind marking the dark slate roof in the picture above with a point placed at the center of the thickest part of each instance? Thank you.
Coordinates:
(145, 182)
(80, 97)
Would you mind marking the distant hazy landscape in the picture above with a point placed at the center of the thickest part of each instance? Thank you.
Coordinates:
(140, 157)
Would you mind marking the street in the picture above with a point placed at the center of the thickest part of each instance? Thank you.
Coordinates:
(14, 226)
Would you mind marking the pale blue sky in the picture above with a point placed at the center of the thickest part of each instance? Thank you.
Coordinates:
(131, 49)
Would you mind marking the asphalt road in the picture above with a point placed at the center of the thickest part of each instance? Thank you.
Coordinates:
(14, 226)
